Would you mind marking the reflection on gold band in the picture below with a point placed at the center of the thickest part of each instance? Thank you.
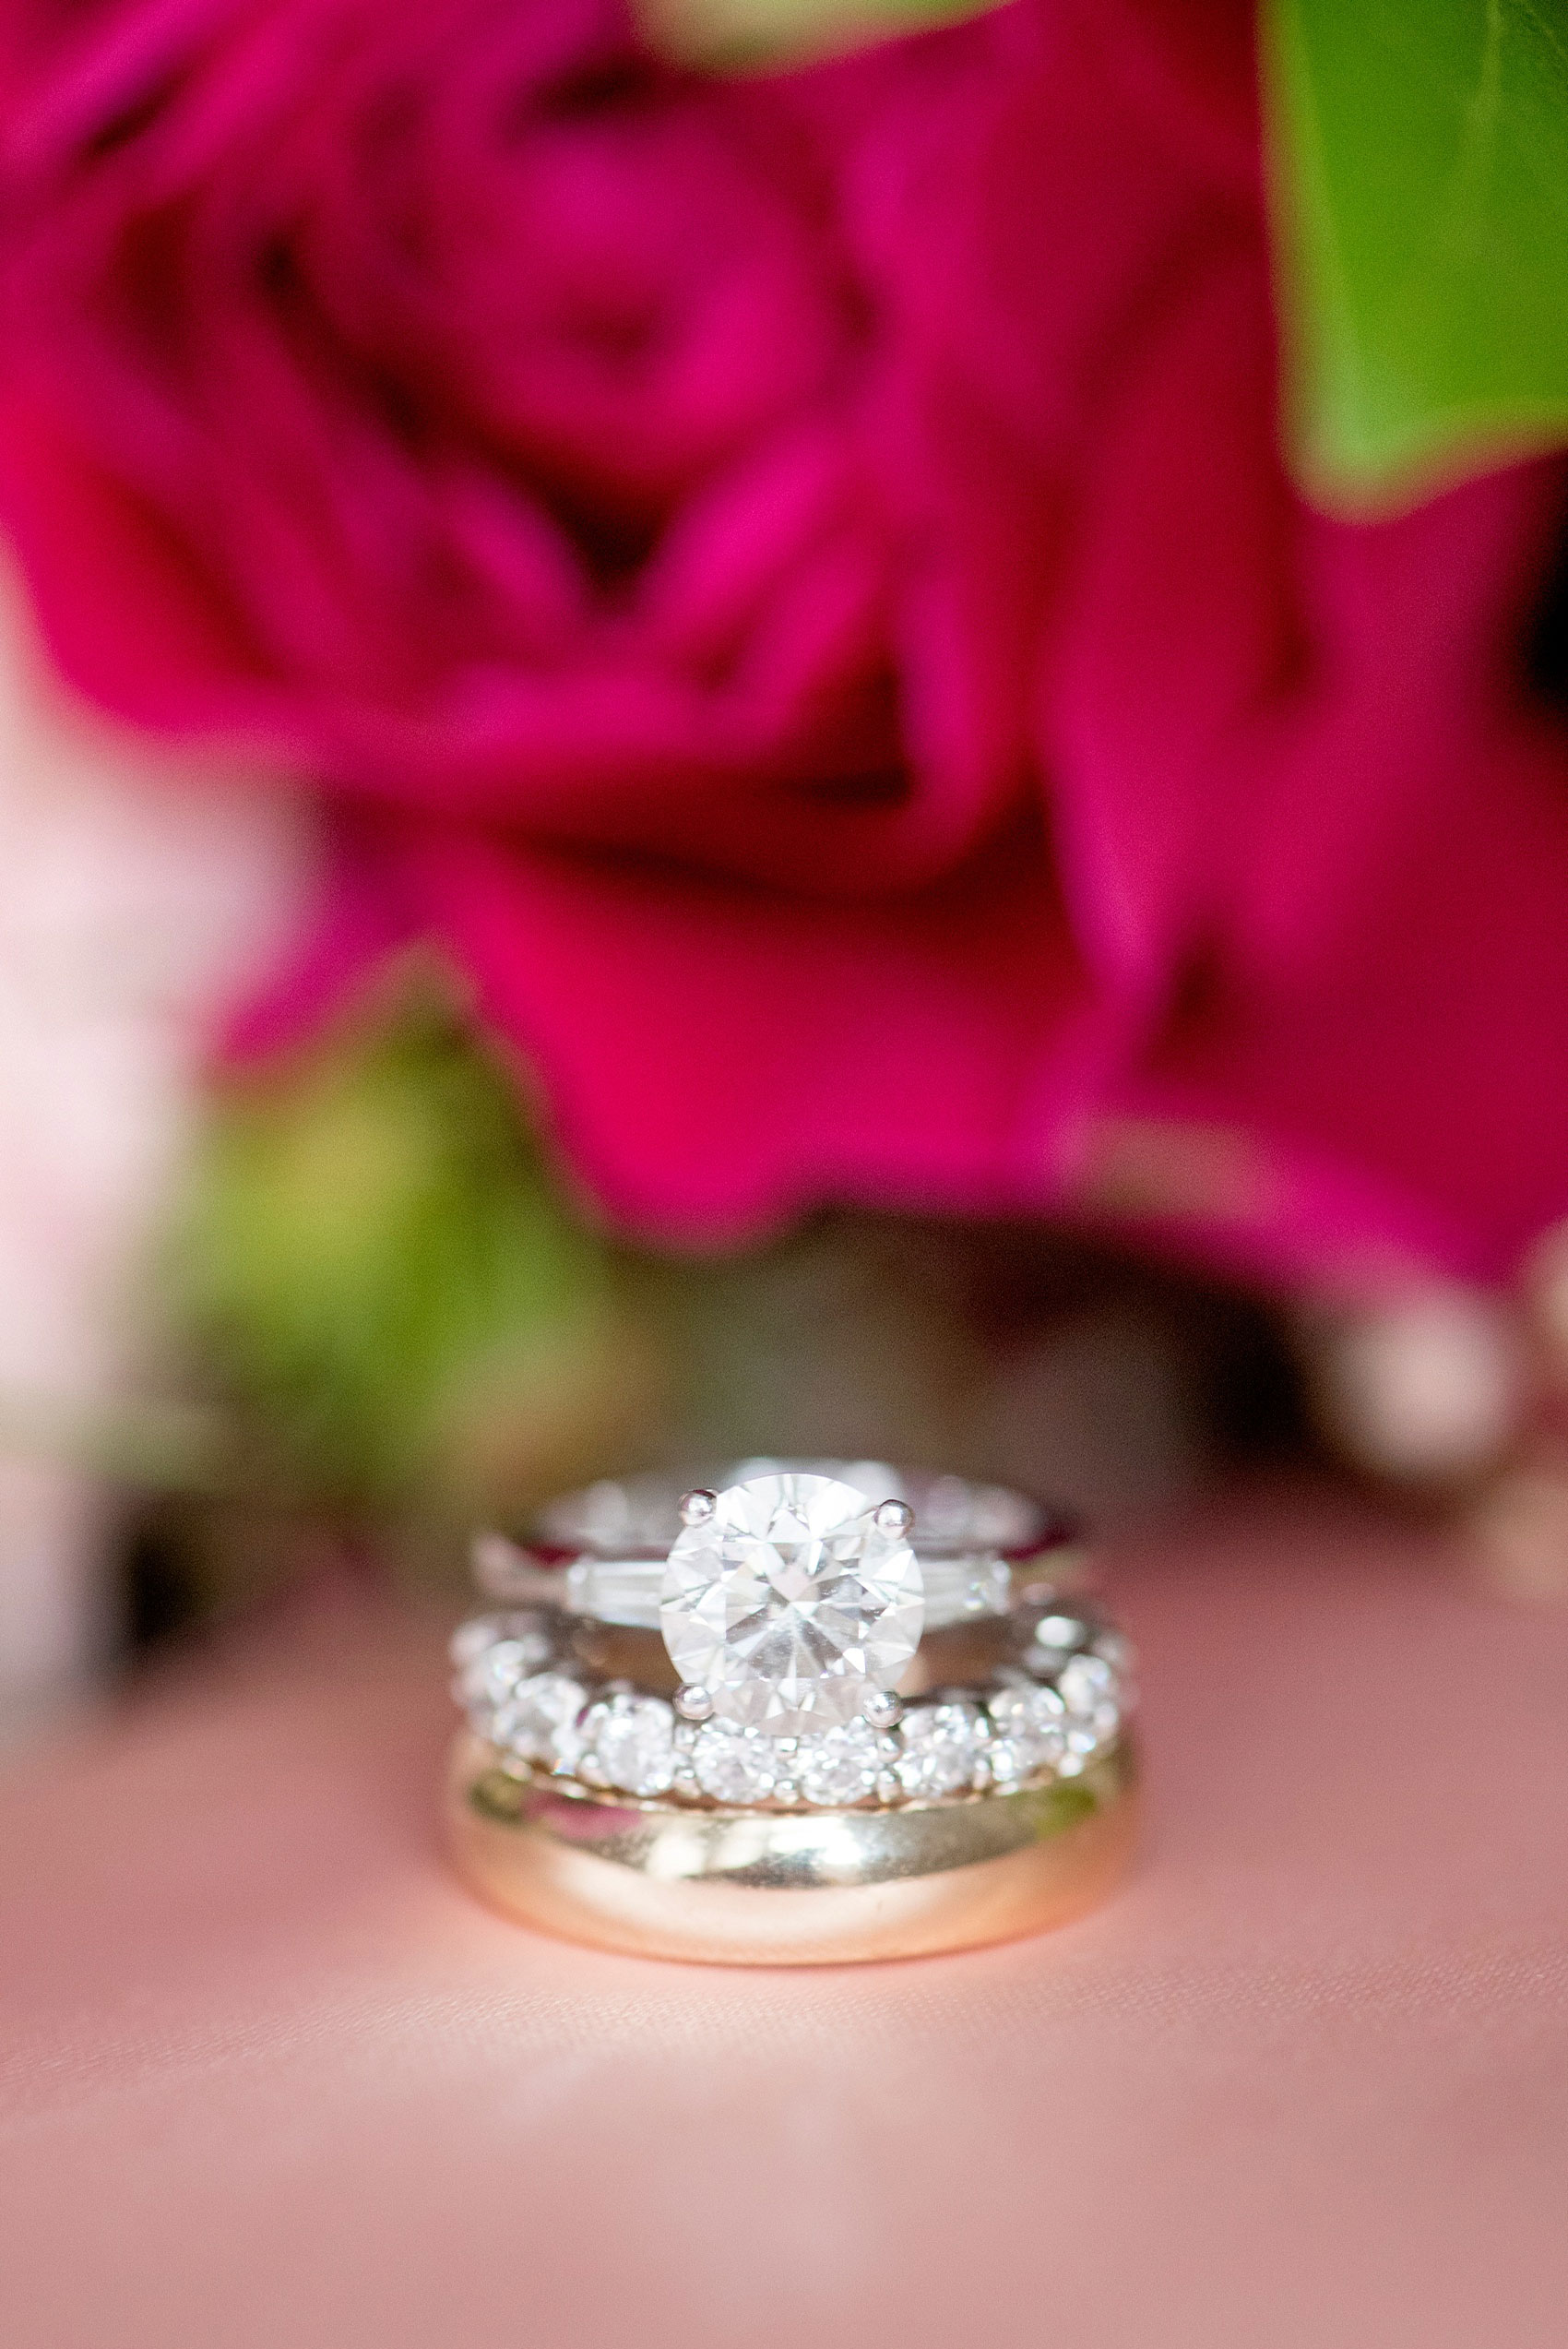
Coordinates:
(806, 1888)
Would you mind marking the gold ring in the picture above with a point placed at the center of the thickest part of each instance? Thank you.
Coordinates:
(749, 1886)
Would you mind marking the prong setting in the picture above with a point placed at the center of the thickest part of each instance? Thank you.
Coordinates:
(883, 1709)
(698, 1507)
(788, 1604)
(896, 1517)
(694, 1703)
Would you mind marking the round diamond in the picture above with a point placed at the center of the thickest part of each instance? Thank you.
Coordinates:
(1055, 1638)
(790, 1604)
(941, 1747)
(632, 1739)
(471, 1638)
(1088, 1691)
(1029, 1727)
(1116, 1649)
(838, 1766)
(488, 1678)
(1063, 1632)
(539, 1720)
(733, 1765)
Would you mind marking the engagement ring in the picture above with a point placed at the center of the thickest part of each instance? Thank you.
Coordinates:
(805, 1711)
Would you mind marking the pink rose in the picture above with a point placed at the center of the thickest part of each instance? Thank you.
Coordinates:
(796, 580)
(453, 392)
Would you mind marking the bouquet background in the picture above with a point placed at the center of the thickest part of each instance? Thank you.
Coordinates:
(831, 680)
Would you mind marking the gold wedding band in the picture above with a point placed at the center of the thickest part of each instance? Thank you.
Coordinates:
(818, 1887)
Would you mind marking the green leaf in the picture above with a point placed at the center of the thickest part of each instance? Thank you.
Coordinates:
(383, 1275)
(1419, 159)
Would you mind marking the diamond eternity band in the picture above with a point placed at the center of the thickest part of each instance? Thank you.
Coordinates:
(1031, 1725)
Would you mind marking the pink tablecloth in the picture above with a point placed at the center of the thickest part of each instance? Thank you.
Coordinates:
(268, 2077)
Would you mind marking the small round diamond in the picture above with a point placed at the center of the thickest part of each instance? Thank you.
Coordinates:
(539, 1720)
(733, 1765)
(1088, 1691)
(837, 1767)
(1029, 1730)
(792, 1603)
(941, 1746)
(1054, 1640)
(633, 1740)
(1061, 1632)
(471, 1638)
(490, 1677)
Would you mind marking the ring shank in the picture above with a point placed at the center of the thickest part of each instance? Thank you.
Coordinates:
(640, 1516)
(602, 1554)
(747, 1888)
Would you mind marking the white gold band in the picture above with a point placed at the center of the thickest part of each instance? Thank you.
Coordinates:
(1034, 1722)
(980, 1547)
(634, 1516)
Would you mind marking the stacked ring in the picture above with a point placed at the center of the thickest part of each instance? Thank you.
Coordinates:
(813, 1713)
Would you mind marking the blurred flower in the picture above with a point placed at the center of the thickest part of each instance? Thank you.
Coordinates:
(1427, 1387)
(383, 1280)
(402, 1324)
(134, 895)
(797, 584)
(1517, 1525)
(476, 403)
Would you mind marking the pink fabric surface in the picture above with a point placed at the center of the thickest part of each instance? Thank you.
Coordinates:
(267, 2075)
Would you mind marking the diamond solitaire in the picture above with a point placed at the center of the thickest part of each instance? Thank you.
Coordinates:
(792, 1601)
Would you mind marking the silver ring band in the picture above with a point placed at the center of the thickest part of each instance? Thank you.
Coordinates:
(602, 1553)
